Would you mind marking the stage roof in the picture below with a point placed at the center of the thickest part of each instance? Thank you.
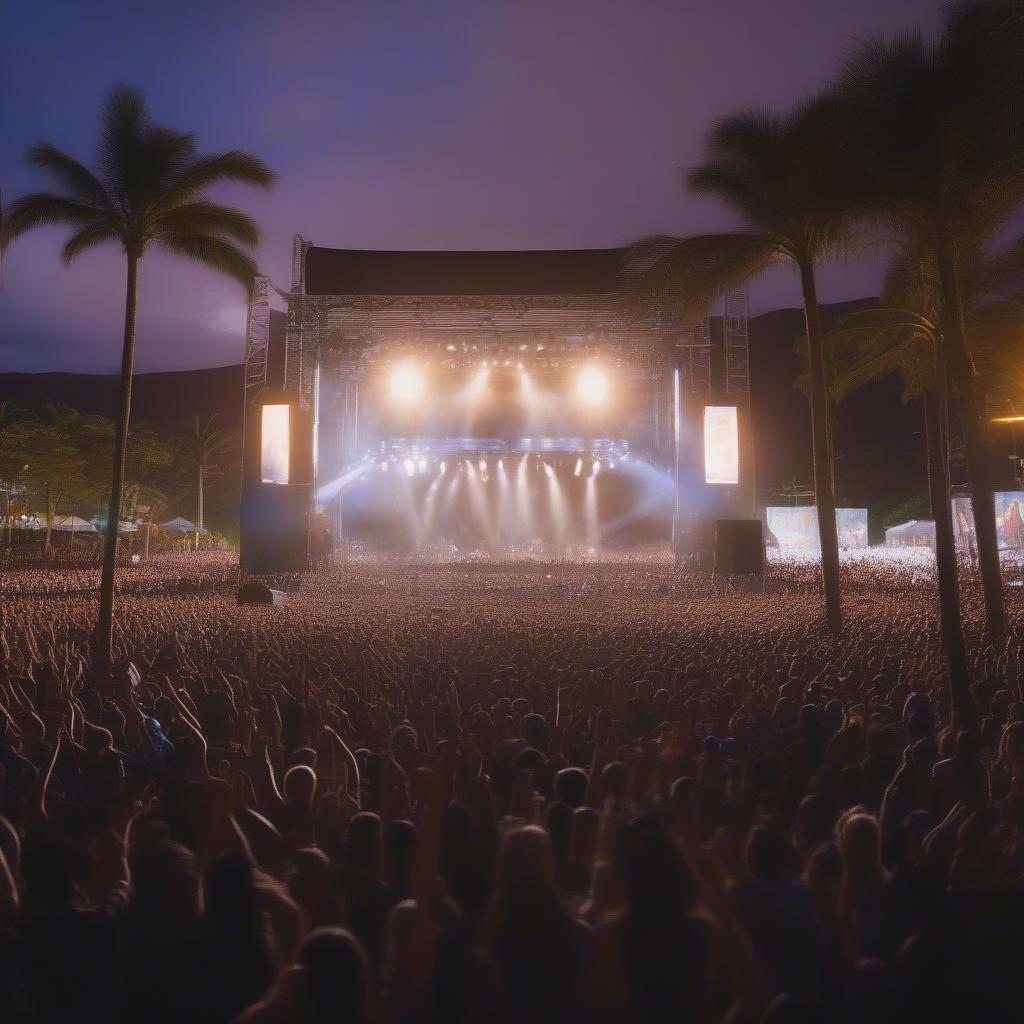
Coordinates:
(493, 272)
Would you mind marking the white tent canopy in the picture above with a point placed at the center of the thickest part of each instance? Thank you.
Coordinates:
(73, 523)
(179, 524)
(916, 533)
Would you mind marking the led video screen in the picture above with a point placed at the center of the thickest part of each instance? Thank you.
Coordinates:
(721, 445)
(275, 440)
(797, 528)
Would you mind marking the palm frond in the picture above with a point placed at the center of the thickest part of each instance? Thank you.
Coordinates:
(692, 273)
(206, 171)
(44, 209)
(87, 238)
(204, 217)
(216, 253)
(80, 182)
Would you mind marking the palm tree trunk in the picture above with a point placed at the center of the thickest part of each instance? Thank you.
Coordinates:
(199, 506)
(976, 444)
(960, 697)
(824, 490)
(50, 513)
(103, 653)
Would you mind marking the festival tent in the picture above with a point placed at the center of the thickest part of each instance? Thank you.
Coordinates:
(179, 524)
(917, 533)
(73, 524)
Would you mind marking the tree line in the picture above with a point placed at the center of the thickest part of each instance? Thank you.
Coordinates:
(55, 463)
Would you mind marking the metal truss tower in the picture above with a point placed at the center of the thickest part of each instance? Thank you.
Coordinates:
(695, 359)
(257, 339)
(737, 348)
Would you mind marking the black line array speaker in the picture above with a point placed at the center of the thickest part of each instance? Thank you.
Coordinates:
(274, 528)
(254, 592)
(739, 547)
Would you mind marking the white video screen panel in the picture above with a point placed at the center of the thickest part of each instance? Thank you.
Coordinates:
(275, 441)
(797, 527)
(721, 445)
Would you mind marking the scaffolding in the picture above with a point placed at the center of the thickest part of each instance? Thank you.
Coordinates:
(737, 347)
(257, 339)
(695, 359)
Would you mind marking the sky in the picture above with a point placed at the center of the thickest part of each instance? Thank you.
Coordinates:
(396, 124)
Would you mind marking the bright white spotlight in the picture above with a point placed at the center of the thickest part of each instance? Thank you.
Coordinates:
(423, 465)
(483, 465)
(596, 467)
(579, 467)
(406, 383)
(384, 466)
(410, 467)
(444, 466)
(592, 386)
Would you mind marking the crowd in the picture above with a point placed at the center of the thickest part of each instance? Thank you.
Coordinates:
(595, 793)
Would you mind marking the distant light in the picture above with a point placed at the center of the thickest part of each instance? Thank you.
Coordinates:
(611, 465)
(444, 466)
(596, 467)
(519, 365)
(579, 467)
(384, 466)
(410, 467)
(483, 465)
(423, 465)
(1008, 419)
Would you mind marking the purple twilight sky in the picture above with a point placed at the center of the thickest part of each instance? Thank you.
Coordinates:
(398, 124)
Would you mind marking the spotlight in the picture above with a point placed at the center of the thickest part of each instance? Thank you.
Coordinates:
(384, 466)
(592, 386)
(410, 467)
(579, 467)
(596, 466)
(483, 465)
(406, 383)
(423, 465)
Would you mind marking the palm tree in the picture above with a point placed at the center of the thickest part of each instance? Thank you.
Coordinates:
(941, 130)
(204, 446)
(902, 337)
(784, 175)
(149, 188)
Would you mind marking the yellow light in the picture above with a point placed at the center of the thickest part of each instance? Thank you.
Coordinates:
(592, 386)
(275, 436)
(721, 445)
(1008, 419)
(406, 383)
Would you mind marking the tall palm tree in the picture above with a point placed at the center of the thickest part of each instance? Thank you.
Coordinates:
(941, 129)
(903, 337)
(784, 176)
(204, 446)
(149, 188)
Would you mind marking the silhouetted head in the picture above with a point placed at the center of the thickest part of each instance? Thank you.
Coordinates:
(336, 976)
(571, 787)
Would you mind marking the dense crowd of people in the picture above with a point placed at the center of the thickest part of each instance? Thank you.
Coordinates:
(601, 792)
